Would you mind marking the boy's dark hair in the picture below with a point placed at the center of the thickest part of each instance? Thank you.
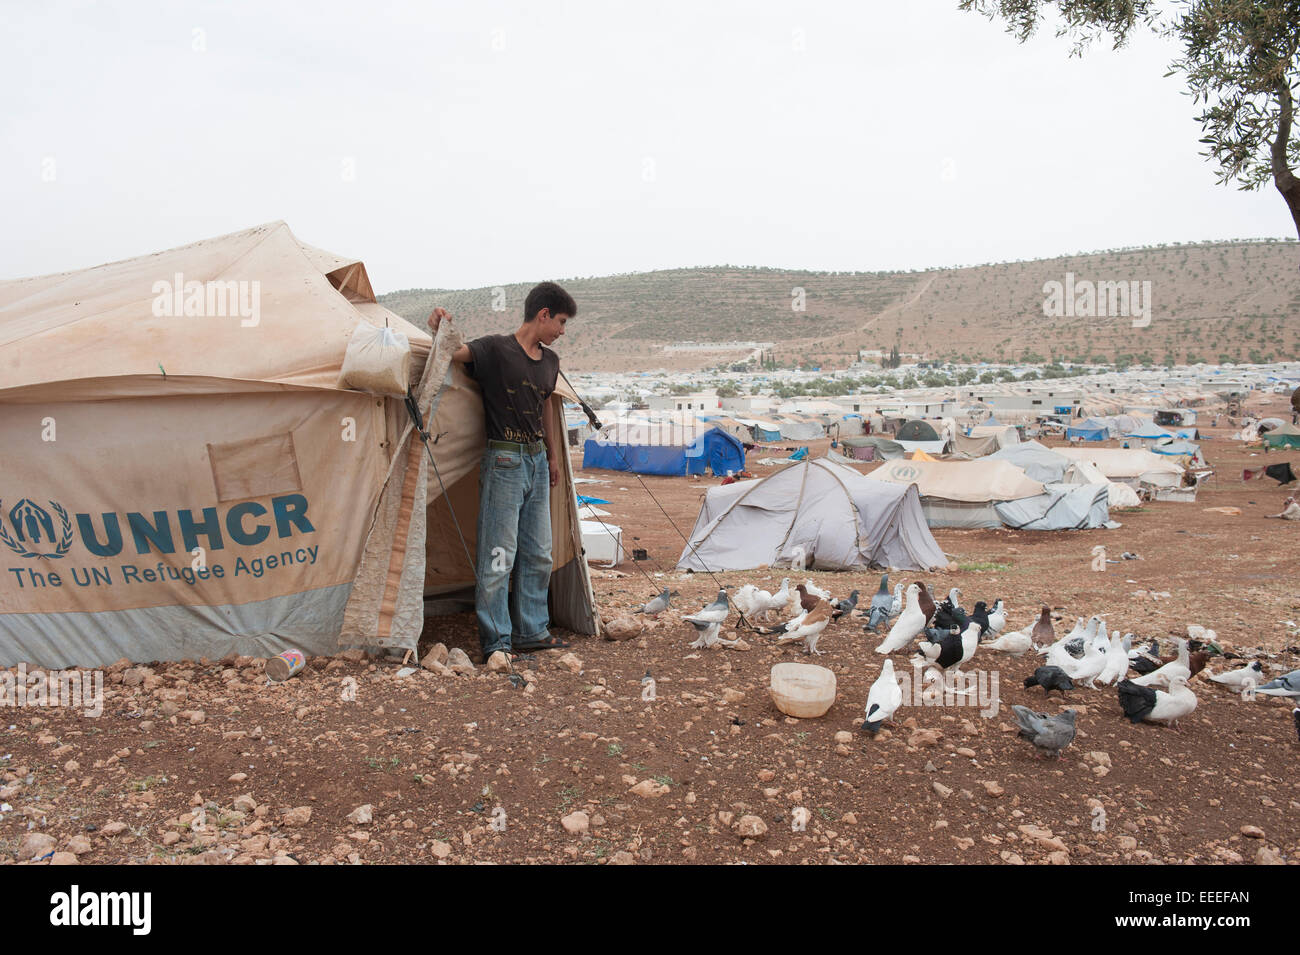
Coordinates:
(549, 295)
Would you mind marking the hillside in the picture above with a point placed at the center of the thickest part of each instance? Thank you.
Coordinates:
(1216, 301)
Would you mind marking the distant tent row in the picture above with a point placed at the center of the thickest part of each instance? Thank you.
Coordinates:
(664, 448)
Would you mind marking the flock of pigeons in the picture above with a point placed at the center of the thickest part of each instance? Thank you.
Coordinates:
(945, 637)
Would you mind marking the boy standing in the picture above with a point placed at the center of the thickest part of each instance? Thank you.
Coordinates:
(517, 374)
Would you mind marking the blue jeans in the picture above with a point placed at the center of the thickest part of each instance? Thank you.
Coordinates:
(514, 534)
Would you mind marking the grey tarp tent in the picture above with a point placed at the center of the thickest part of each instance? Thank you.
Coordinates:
(832, 515)
(1038, 461)
(1061, 507)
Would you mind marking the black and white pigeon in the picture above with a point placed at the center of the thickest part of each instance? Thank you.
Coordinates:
(708, 636)
(882, 605)
(997, 618)
(716, 612)
(1050, 678)
(1049, 734)
(1156, 706)
(1145, 659)
(980, 615)
(841, 607)
(658, 605)
(883, 699)
(1288, 685)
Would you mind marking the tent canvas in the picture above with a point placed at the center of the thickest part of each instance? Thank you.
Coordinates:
(1061, 507)
(664, 447)
(1286, 436)
(319, 521)
(825, 512)
(961, 493)
(1090, 430)
(884, 449)
(1085, 472)
(1131, 466)
(1038, 461)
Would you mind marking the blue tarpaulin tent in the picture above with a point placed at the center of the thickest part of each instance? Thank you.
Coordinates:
(1090, 430)
(649, 450)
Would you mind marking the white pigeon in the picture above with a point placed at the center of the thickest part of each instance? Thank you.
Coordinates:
(909, 623)
(1180, 666)
(815, 590)
(1016, 643)
(1116, 666)
(1102, 640)
(897, 608)
(756, 604)
(1238, 678)
(1084, 669)
(883, 699)
(709, 636)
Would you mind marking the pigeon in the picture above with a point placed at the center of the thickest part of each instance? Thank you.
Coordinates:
(1049, 734)
(1085, 669)
(810, 587)
(1156, 706)
(807, 599)
(949, 614)
(882, 605)
(756, 604)
(1102, 640)
(1050, 678)
(883, 699)
(708, 635)
(950, 652)
(1016, 644)
(1043, 633)
(897, 607)
(997, 618)
(809, 629)
(1288, 685)
(716, 612)
(657, 606)
(909, 623)
(1164, 676)
(980, 615)
(1238, 678)
(1145, 660)
(925, 601)
(1074, 635)
(1116, 662)
(841, 607)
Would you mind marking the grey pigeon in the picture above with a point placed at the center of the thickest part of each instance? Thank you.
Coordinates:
(1049, 734)
(715, 612)
(657, 606)
(841, 607)
(882, 605)
(1288, 685)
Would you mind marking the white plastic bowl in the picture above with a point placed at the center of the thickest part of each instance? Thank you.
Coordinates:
(802, 690)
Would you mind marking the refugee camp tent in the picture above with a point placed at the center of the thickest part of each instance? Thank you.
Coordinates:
(1038, 461)
(1148, 436)
(799, 428)
(1085, 472)
(849, 425)
(917, 434)
(961, 493)
(669, 447)
(1285, 436)
(1061, 507)
(213, 489)
(1131, 466)
(823, 512)
(764, 430)
(1090, 430)
(873, 448)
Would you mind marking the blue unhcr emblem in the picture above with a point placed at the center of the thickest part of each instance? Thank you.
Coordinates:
(32, 526)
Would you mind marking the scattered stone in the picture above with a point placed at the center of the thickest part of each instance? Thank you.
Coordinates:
(458, 662)
(1252, 832)
(750, 827)
(362, 815)
(34, 845)
(297, 817)
(648, 789)
(576, 823)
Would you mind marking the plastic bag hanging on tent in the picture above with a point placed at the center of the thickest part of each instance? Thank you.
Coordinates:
(378, 362)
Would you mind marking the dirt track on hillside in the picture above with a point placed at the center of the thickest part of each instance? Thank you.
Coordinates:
(435, 756)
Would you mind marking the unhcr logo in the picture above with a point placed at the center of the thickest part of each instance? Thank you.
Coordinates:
(215, 299)
(1088, 299)
(31, 526)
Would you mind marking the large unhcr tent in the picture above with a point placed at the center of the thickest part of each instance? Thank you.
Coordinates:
(211, 487)
(823, 513)
(961, 493)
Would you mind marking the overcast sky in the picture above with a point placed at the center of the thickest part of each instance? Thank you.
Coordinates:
(464, 145)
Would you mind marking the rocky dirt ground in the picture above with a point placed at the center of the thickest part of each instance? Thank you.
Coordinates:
(352, 761)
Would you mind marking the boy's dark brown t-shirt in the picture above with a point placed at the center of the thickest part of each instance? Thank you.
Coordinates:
(514, 385)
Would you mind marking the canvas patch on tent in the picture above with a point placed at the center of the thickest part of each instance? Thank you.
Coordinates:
(255, 467)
